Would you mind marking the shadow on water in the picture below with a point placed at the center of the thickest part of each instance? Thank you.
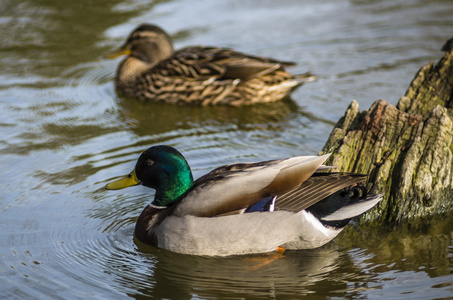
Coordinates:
(176, 276)
(420, 244)
(358, 264)
(146, 118)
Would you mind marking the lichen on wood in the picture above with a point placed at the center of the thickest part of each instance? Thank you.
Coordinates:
(406, 149)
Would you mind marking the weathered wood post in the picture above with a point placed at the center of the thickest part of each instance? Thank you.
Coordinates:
(406, 149)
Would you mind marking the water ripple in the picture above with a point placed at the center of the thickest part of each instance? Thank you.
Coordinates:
(65, 134)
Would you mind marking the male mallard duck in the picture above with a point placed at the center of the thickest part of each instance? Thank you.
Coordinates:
(199, 75)
(243, 208)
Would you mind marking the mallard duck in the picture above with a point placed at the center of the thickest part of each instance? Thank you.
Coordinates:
(243, 208)
(198, 75)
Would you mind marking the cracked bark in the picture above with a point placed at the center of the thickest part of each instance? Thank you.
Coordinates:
(406, 149)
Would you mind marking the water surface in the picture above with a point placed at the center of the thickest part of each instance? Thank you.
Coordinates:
(64, 133)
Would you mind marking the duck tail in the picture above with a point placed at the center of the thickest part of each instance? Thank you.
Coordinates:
(344, 206)
(305, 77)
(353, 210)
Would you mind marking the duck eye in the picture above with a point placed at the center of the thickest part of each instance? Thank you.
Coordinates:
(149, 162)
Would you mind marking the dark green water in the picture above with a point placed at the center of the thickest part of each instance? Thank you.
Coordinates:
(64, 133)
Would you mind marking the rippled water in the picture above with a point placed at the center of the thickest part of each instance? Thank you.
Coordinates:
(64, 133)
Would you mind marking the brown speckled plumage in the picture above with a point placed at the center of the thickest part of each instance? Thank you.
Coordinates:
(199, 75)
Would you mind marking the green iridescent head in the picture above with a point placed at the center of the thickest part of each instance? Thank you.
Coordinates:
(162, 168)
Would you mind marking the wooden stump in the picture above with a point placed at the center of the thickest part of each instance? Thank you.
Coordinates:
(406, 150)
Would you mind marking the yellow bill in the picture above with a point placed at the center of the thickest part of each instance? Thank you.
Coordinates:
(123, 50)
(129, 180)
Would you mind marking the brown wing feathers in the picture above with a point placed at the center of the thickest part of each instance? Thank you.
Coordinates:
(297, 187)
(201, 63)
(317, 187)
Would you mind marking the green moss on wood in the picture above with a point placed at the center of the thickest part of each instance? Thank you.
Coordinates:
(406, 149)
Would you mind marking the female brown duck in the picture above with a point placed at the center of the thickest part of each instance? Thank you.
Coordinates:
(198, 75)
